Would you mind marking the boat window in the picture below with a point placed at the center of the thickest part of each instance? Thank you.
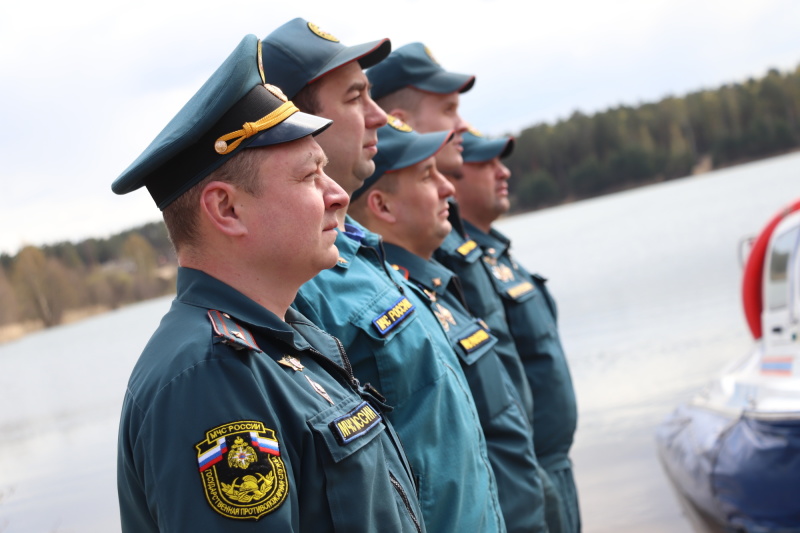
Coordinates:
(777, 296)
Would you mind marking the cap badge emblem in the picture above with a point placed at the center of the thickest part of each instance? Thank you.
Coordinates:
(430, 55)
(319, 33)
(398, 124)
(276, 92)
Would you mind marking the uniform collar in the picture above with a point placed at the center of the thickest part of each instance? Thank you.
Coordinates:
(493, 243)
(198, 289)
(430, 275)
(351, 239)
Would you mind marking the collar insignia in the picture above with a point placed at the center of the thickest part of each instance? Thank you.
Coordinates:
(229, 332)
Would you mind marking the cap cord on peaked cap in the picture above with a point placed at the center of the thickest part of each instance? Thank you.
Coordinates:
(413, 65)
(400, 147)
(299, 52)
(233, 110)
(477, 148)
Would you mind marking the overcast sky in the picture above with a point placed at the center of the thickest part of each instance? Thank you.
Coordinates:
(87, 85)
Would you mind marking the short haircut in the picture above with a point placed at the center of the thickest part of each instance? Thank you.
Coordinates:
(307, 99)
(358, 207)
(406, 98)
(181, 216)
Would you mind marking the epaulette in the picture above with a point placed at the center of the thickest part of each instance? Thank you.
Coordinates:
(229, 332)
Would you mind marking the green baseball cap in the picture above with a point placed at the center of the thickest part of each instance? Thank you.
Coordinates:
(232, 111)
(299, 53)
(400, 147)
(478, 148)
(413, 65)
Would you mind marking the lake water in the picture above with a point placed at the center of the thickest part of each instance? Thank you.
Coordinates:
(647, 283)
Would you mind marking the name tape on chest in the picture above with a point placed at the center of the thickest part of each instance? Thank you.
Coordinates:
(398, 312)
(355, 424)
(241, 470)
(518, 290)
(475, 340)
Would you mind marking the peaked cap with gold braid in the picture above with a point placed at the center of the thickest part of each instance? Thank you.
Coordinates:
(232, 111)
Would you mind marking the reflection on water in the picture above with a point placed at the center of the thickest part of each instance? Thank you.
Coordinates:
(647, 283)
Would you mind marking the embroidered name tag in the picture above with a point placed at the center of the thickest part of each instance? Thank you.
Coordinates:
(474, 340)
(355, 424)
(467, 247)
(518, 290)
(398, 312)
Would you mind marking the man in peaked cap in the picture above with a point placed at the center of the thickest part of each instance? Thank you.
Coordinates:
(405, 200)
(482, 192)
(393, 339)
(412, 85)
(240, 415)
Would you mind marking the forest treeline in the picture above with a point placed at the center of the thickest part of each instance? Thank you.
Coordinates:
(43, 283)
(579, 157)
(627, 146)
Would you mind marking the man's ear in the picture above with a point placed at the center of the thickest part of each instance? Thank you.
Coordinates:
(381, 206)
(218, 205)
(399, 113)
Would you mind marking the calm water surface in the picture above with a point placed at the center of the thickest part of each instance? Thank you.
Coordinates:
(647, 283)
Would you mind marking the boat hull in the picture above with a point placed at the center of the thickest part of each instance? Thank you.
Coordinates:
(742, 470)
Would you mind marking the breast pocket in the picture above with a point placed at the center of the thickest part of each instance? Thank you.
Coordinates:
(363, 470)
(474, 346)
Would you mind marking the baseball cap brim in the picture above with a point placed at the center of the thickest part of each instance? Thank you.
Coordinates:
(399, 150)
(486, 149)
(444, 82)
(424, 145)
(367, 55)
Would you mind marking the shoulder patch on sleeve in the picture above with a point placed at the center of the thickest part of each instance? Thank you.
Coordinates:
(241, 470)
(231, 333)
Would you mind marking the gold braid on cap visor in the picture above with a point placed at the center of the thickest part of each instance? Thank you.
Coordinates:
(251, 128)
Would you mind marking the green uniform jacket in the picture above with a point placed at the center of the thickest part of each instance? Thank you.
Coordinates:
(509, 438)
(396, 344)
(237, 421)
(532, 320)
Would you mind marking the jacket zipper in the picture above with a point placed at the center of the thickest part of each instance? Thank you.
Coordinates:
(399, 488)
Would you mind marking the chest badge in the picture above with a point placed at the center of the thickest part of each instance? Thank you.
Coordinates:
(502, 272)
(241, 470)
(319, 390)
(291, 362)
(444, 315)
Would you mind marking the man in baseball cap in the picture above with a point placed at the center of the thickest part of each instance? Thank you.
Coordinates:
(405, 200)
(393, 339)
(481, 188)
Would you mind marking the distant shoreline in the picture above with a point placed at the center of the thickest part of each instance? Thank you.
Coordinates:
(17, 330)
